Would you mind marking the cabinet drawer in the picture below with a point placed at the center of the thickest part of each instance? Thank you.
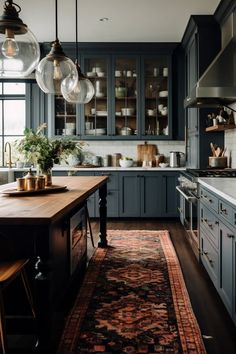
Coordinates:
(210, 223)
(210, 259)
(227, 212)
(209, 199)
(112, 182)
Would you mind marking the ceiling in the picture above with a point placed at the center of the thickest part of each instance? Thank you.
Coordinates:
(129, 20)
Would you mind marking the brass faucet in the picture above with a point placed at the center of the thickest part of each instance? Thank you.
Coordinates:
(9, 153)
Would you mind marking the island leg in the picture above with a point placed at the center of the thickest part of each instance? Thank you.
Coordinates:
(103, 216)
(42, 296)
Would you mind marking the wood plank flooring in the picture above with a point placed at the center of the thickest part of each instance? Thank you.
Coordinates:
(211, 314)
(214, 321)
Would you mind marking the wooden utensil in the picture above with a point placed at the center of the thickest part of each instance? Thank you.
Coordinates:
(212, 149)
(218, 152)
(223, 152)
(146, 151)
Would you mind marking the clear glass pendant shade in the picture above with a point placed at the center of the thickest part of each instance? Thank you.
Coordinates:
(83, 92)
(19, 54)
(19, 49)
(52, 70)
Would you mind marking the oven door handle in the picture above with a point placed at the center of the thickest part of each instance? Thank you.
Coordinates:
(187, 197)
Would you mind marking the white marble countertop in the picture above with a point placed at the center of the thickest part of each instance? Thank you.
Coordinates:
(71, 168)
(223, 187)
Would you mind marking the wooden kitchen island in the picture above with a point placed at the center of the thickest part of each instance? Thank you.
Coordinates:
(39, 227)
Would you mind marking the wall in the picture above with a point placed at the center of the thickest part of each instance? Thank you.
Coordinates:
(230, 143)
(129, 148)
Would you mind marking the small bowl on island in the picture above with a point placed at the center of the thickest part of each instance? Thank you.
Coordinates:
(126, 162)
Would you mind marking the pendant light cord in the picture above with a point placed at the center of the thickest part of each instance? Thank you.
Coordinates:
(76, 30)
(56, 20)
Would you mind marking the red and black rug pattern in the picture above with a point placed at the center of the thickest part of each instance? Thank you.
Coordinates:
(133, 300)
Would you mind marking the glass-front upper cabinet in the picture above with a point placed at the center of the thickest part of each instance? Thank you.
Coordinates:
(126, 92)
(95, 112)
(156, 92)
(65, 117)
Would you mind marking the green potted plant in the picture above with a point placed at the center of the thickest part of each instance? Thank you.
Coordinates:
(43, 152)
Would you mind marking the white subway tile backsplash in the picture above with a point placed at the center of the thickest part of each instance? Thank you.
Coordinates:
(129, 148)
(230, 143)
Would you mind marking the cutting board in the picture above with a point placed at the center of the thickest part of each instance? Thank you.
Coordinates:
(146, 151)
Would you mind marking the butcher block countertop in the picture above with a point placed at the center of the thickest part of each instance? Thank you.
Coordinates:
(46, 208)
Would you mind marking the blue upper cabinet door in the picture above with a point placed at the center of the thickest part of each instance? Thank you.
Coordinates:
(97, 113)
(125, 86)
(156, 98)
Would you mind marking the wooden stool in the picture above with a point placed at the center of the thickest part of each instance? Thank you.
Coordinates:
(8, 272)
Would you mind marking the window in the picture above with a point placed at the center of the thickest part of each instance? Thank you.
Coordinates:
(12, 116)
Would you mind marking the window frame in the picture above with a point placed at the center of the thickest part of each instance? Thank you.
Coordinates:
(11, 97)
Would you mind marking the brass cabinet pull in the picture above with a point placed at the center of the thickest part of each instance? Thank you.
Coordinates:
(230, 235)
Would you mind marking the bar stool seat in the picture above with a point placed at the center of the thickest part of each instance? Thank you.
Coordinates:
(9, 270)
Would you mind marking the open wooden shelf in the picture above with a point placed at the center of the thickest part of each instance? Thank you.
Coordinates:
(220, 127)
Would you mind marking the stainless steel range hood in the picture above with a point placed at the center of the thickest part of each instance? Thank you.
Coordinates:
(217, 85)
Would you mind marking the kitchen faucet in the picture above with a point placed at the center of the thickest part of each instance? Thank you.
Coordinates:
(9, 153)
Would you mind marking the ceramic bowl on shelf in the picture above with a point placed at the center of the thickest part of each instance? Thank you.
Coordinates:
(100, 74)
(98, 131)
(127, 111)
(163, 94)
(101, 113)
(125, 163)
(126, 131)
(163, 164)
(91, 74)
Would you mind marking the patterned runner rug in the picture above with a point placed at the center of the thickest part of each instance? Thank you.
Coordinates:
(133, 300)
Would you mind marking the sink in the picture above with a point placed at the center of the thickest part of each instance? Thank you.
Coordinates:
(6, 175)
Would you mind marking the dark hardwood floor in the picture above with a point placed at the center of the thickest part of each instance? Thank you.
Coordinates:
(216, 325)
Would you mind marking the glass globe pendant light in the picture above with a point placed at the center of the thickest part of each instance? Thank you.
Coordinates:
(55, 67)
(19, 49)
(83, 91)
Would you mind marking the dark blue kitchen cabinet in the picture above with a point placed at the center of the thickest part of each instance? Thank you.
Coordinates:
(151, 196)
(218, 245)
(148, 194)
(201, 42)
(129, 194)
(226, 282)
(138, 94)
(170, 200)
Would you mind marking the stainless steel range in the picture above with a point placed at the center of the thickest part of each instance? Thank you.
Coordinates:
(189, 195)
